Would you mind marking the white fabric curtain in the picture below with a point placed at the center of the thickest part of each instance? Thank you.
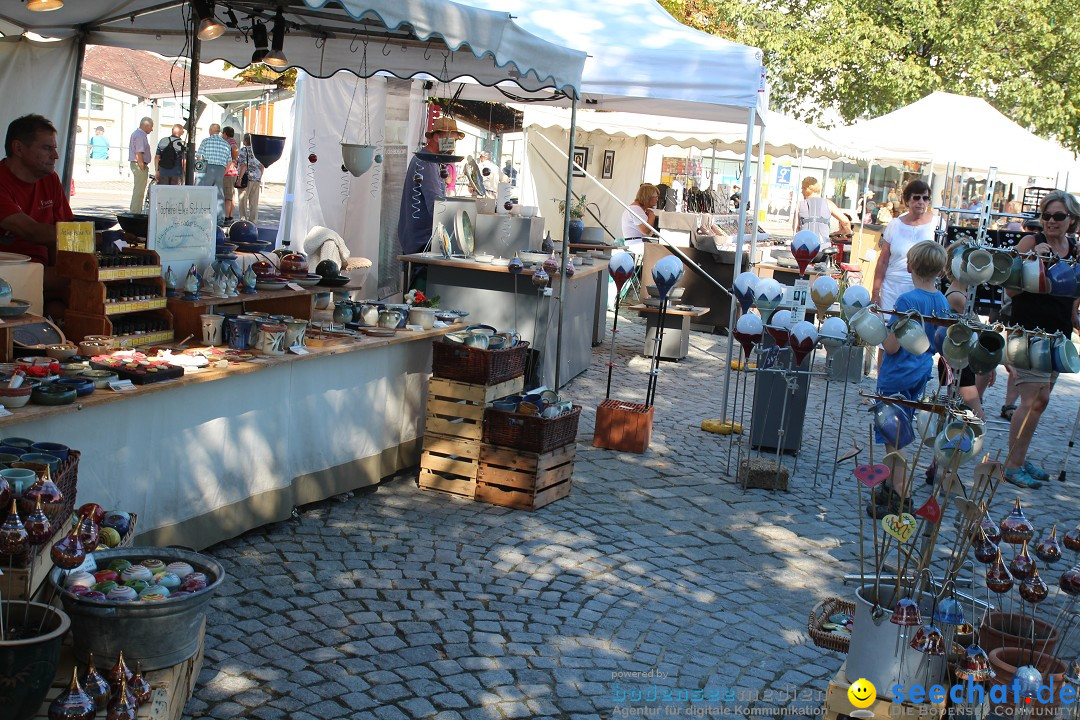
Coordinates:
(37, 77)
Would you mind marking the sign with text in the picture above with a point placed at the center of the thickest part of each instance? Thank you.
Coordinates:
(183, 225)
(75, 236)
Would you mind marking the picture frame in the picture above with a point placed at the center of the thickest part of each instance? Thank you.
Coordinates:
(581, 157)
(608, 169)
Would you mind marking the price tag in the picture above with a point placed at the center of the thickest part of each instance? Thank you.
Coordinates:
(120, 244)
(293, 286)
(4, 412)
(89, 564)
(121, 386)
(299, 350)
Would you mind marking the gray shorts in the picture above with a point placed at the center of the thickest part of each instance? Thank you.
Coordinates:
(1033, 377)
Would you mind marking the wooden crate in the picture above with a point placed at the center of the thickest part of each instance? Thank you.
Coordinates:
(171, 687)
(456, 409)
(838, 707)
(524, 480)
(449, 464)
(623, 426)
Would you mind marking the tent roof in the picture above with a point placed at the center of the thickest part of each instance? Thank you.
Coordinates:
(141, 73)
(954, 128)
(785, 135)
(641, 60)
(436, 37)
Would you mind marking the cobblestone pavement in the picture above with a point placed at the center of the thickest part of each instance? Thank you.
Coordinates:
(408, 604)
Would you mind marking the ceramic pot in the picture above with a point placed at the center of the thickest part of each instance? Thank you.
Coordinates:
(239, 333)
(1039, 354)
(1016, 349)
(53, 394)
(211, 328)
(90, 348)
(403, 311)
(1061, 279)
(986, 352)
(272, 338)
(956, 348)
(1000, 629)
(27, 666)
(954, 445)
(910, 333)
(322, 300)
(1006, 660)
(390, 318)
(422, 316)
(343, 312)
(978, 266)
(15, 397)
(295, 333)
(1033, 279)
(869, 327)
(62, 351)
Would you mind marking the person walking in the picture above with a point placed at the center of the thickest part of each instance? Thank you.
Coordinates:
(216, 153)
(169, 160)
(139, 156)
(231, 174)
(99, 145)
(250, 172)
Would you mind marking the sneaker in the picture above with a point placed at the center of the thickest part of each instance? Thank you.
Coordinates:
(1036, 472)
(1020, 478)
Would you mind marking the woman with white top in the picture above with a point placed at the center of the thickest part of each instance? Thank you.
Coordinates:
(637, 221)
(891, 276)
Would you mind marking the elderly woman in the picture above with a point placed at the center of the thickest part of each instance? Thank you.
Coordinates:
(1060, 217)
(637, 221)
(891, 276)
(814, 212)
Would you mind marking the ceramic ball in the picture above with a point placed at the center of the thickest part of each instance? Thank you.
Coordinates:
(137, 585)
(96, 510)
(378, 158)
(93, 595)
(180, 569)
(193, 586)
(169, 580)
(106, 575)
(122, 593)
(153, 565)
(198, 577)
(153, 597)
(118, 521)
(111, 538)
(79, 578)
(313, 158)
(154, 589)
(119, 565)
(104, 587)
(79, 590)
(137, 572)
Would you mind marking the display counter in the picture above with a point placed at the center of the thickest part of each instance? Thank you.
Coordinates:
(215, 453)
(487, 293)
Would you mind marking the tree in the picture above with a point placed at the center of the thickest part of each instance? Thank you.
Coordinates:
(865, 59)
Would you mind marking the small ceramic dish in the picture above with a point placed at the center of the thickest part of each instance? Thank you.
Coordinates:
(448, 318)
(14, 308)
(51, 448)
(481, 329)
(484, 258)
(335, 281)
(83, 385)
(53, 394)
(100, 378)
(500, 262)
(61, 352)
(505, 405)
(310, 280)
(533, 257)
(455, 338)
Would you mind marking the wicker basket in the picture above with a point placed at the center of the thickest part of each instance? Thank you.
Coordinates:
(530, 432)
(820, 615)
(475, 365)
(66, 478)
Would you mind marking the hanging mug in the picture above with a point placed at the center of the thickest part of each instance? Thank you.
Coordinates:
(909, 332)
(1061, 279)
(211, 329)
(1039, 353)
(1002, 267)
(986, 352)
(869, 327)
(1064, 357)
(978, 266)
(1016, 349)
(956, 348)
(1033, 279)
(954, 445)
(1015, 280)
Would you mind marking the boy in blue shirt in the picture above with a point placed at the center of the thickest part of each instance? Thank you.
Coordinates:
(901, 372)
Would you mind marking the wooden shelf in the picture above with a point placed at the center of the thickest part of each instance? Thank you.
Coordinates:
(695, 312)
(579, 270)
(206, 301)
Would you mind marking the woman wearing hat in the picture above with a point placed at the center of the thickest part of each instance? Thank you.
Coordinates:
(424, 185)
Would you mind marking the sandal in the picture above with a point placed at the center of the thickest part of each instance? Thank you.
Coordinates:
(1008, 410)
(1020, 478)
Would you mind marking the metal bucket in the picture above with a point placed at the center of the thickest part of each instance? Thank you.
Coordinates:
(157, 634)
(874, 655)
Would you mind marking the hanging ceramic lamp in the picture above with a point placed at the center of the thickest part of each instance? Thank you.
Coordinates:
(267, 148)
(744, 289)
(770, 293)
(805, 247)
(748, 331)
(928, 640)
(666, 273)
(906, 613)
(802, 339)
(852, 300)
(621, 268)
(823, 293)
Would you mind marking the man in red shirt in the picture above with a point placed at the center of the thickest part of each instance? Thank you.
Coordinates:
(32, 199)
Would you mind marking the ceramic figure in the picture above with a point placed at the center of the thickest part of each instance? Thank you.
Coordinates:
(96, 686)
(73, 703)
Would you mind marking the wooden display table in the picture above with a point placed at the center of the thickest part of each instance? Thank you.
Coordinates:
(676, 330)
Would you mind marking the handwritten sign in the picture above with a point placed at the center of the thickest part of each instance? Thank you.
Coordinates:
(75, 236)
(183, 225)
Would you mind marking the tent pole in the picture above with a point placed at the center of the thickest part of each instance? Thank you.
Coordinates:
(744, 195)
(73, 114)
(866, 189)
(712, 167)
(568, 198)
(193, 100)
(757, 193)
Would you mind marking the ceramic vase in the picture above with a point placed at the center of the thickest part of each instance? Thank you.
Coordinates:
(95, 685)
(73, 703)
(38, 527)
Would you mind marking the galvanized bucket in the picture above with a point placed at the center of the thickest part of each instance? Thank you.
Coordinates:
(157, 634)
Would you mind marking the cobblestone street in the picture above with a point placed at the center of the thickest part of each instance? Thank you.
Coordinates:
(400, 603)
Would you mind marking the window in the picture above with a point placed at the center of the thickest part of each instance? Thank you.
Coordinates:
(97, 96)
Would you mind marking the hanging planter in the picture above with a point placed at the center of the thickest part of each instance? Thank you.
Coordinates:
(358, 159)
(267, 148)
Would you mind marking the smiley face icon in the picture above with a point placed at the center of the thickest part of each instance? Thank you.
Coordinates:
(862, 693)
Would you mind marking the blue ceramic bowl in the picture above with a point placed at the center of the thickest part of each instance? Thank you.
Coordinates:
(43, 459)
(12, 450)
(49, 448)
(6, 459)
(19, 442)
(505, 405)
(83, 386)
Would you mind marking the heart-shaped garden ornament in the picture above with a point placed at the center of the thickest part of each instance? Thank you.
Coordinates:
(872, 475)
(930, 510)
(900, 527)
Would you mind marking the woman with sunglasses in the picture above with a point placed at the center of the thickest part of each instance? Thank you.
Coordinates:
(891, 276)
(1060, 214)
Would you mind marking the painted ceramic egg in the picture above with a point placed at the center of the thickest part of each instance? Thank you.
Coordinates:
(152, 597)
(198, 577)
(118, 521)
(119, 565)
(104, 587)
(169, 580)
(153, 565)
(137, 585)
(155, 589)
(180, 569)
(79, 590)
(81, 578)
(137, 572)
(111, 538)
(193, 586)
(104, 575)
(93, 595)
(122, 593)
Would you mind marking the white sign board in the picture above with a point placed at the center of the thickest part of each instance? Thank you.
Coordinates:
(183, 225)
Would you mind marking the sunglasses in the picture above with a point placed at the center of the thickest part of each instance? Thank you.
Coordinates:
(1056, 217)
(920, 197)
(841, 235)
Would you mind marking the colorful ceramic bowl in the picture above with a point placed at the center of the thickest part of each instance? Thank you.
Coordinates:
(53, 394)
(82, 386)
(100, 378)
(19, 442)
(51, 448)
(15, 397)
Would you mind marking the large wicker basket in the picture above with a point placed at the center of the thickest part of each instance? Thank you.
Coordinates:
(475, 365)
(530, 432)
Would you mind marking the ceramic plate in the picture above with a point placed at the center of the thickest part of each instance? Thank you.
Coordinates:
(378, 332)
(472, 173)
(42, 333)
(7, 258)
(339, 281)
(438, 157)
(306, 280)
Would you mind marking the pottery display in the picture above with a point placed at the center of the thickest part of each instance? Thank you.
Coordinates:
(744, 289)
(852, 300)
(869, 327)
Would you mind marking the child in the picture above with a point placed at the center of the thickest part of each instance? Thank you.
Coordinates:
(901, 372)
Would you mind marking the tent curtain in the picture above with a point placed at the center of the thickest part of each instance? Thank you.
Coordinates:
(37, 77)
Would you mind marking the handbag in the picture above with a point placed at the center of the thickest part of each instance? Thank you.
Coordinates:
(242, 181)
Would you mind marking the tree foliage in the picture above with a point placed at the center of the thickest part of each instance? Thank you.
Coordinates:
(865, 58)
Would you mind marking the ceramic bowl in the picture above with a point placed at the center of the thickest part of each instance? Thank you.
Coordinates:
(18, 452)
(18, 478)
(505, 405)
(62, 351)
(53, 394)
(15, 397)
(481, 329)
(83, 386)
(17, 442)
(6, 459)
(424, 317)
(42, 459)
(101, 378)
(533, 257)
(91, 348)
(52, 448)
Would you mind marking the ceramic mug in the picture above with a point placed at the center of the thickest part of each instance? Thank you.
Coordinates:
(211, 329)
(978, 266)
(1039, 353)
(1065, 358)
(19, 479)
(1016, 349)
(956, 348)
(869, 327)
(910, 334)
(272, 338)
(528, 408)
(343, 312)
(239, 333)
(1002, 267)
(391, 318)
(1033, 278)
(1015, 279)
(1061, 280)
(986, 352)
(296, 333)
(477, 340)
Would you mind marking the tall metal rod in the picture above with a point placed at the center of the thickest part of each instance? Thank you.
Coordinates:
(614, 334)
(739, 251)
(73, 114)
(843, 407)
(566, 239)
(757, 205)
(193, 100)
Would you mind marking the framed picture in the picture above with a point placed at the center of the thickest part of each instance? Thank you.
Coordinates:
(609, 165)
(581, 157)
